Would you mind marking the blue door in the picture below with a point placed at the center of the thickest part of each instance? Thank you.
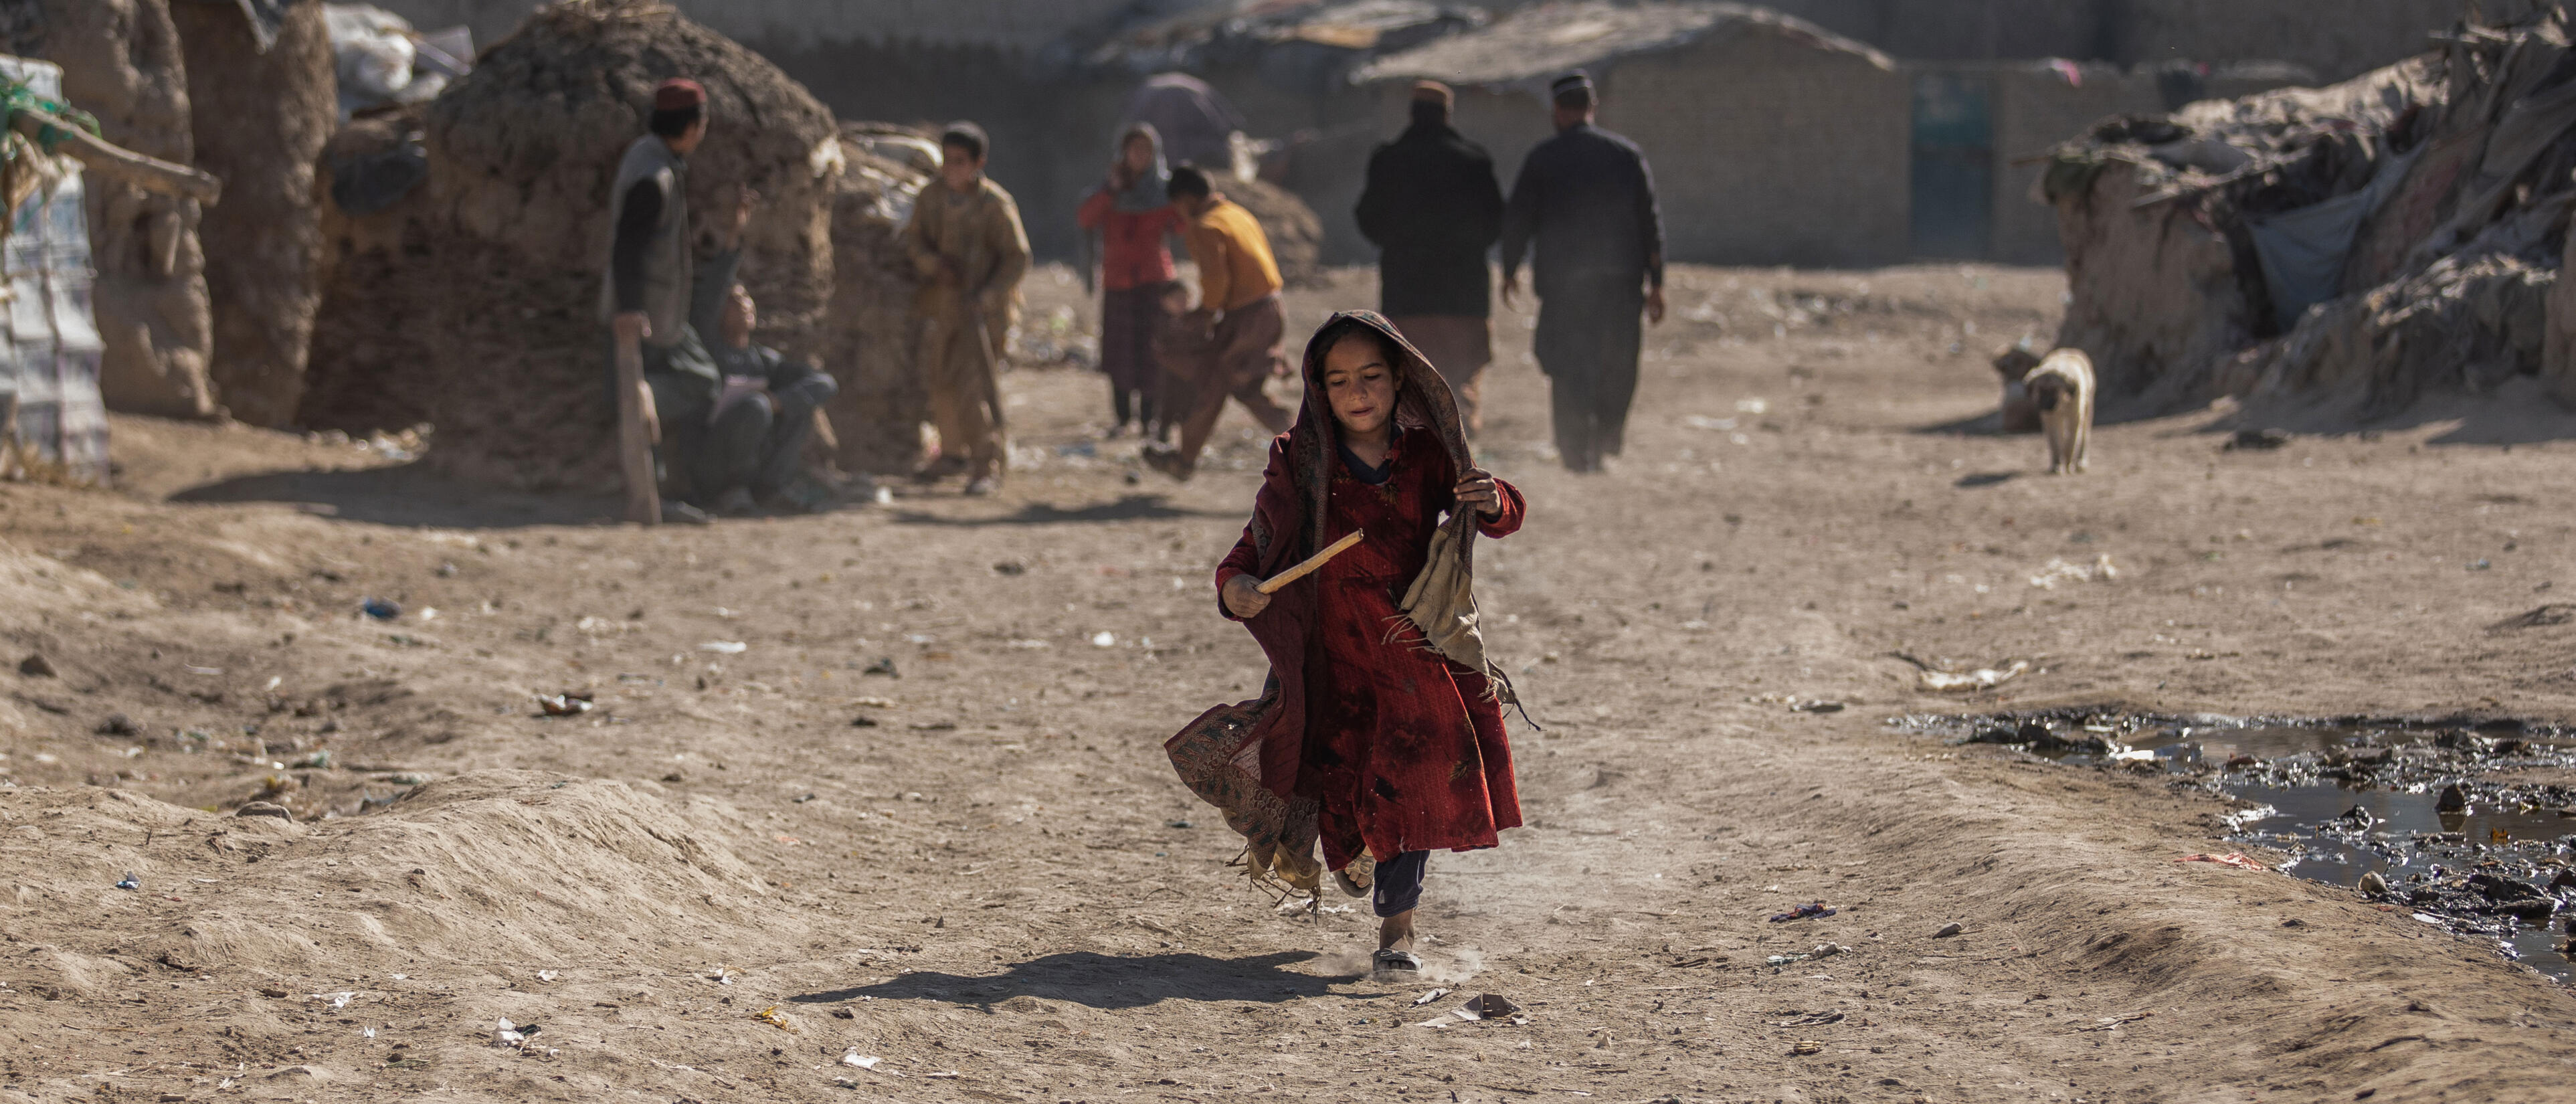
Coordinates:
(1954, 166)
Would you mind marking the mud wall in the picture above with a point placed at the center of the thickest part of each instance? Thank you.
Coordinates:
(122, 62)
(480, 305)
(2157, 298)
(878, 414)
(259, 120)
(1807, 164)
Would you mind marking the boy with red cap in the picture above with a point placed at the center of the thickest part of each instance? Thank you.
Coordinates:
(666, 383)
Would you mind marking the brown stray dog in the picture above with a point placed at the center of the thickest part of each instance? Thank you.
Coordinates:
(2062, 389)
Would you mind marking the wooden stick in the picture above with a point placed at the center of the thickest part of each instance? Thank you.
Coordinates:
(108, 159)
(635, 438)
(1272, 584)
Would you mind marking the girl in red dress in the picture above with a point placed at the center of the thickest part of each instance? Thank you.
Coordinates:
(1397, 745)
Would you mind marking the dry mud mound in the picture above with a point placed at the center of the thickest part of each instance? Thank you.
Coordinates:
(506, 894)
(2348, 249)
(502, 336)
(259, 115)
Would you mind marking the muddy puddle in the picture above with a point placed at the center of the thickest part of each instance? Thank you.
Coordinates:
(2469, 829)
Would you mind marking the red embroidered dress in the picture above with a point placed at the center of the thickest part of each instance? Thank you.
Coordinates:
(1402, 750)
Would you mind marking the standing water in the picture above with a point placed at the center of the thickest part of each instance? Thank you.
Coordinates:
(2473, 833)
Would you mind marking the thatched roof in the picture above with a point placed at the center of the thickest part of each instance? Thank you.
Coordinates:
(1542, 42)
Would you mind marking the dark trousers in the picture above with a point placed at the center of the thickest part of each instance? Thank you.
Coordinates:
(1232, 362)
(1587, 344)
(759, 442)
(1398, 886)
(1129, 318)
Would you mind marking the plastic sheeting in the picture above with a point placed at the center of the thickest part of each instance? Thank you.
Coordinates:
(2303, 251)
(49, 344)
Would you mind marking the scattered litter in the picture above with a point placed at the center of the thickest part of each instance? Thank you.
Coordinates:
(511, 1035)
(775, 1018)
(1177, 824)
(196, 670)
(1104, 639)
(1817, 707)
(1828, 950)
(2232, 858)
(725, 647)
(720, 977)
(570, 703)
(542, 975)
(1984, 678)
(1490, 1006)
(130, 881)
(341, 1000)
(2108, 1023)
(2257, 440)
(2059, 571)
(1806, 1046)
(882, 667)
(873, 703)
(1947, 930)
(381, 609)
(1802, 912)
(863, 1061)
(1811, 1019)
(1010, 567)
(1783, 960)
(1030, 645)
(1429, 997)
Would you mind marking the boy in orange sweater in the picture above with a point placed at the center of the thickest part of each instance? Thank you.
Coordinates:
(1239, 312)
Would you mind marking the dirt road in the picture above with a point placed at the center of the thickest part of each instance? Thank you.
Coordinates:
(887, 783)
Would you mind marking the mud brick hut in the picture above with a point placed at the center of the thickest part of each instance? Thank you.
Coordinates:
(497, 342)
(2345, 251)
(878, 414)
(1773, 140)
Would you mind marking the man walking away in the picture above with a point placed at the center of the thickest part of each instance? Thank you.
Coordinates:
(1238, 313)
(1433, 208)
(1586, 199)
(662, 379)
(967, 244)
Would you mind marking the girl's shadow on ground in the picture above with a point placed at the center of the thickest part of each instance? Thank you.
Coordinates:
(1097, 980)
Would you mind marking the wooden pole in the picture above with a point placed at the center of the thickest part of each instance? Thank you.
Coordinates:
(1272, 584)
(635, 437)
(109, 159)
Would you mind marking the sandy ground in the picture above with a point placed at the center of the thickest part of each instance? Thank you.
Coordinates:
(755, 856)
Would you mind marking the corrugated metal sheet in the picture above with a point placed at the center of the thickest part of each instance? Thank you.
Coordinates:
(49, 344)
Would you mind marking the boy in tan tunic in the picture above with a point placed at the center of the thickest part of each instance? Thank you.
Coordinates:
(967, 244)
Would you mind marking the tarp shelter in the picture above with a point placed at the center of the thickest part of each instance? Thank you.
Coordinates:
(49, 345)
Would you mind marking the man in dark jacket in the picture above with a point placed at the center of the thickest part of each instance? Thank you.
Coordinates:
(1586, 199)
(1433, 208)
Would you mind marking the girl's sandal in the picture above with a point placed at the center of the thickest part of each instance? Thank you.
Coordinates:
(1394, 961)
(1358, 878)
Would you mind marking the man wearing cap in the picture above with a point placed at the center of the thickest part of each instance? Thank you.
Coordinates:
(1433, 208)
(1586, 200)
(966, 242)
(664, 382)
